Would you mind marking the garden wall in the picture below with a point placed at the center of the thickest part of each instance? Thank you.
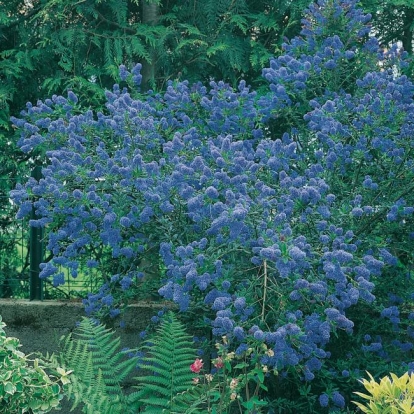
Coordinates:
(40, 324)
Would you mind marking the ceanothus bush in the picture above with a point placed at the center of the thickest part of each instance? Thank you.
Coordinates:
(283, 218)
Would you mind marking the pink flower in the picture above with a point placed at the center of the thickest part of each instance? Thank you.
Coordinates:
(218, 363)
(197, 365)
(196, 381)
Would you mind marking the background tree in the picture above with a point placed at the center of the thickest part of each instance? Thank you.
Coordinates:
(393, 21)
(51, 46)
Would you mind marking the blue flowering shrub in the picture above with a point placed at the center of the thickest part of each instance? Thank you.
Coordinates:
(282, 217)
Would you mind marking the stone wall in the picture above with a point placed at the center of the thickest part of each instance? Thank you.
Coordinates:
(39, 325)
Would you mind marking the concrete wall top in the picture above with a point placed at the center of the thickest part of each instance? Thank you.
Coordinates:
(40, 324)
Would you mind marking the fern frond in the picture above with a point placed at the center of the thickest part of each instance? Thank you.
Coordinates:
(166, 366)
(190, 42)
(120, 10)
(265, 22)
(259, 55)
(118, 50)
(190, 401)
(191, 30)
(241, 22)
(65, 64)
(108, 52)
(237, 54)
(218, 47)
(7, 53)
(99, 367)
(138, 49)
(52, 84)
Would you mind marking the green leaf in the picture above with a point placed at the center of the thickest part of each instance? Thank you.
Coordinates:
(241, 365)
(219, 47)
(191, 30)
(260, 375)
(9, 388)
(35, 404)
(240, 21)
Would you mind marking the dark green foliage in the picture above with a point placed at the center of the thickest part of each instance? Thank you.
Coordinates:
(169, 354)
(190, 401)
(14, 257)
(52, 46)
(225, 39)
(393, 21)
(99, 368)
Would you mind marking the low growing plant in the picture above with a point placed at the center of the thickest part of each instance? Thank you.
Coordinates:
(233, 383)
(165, 365)
(99, 368)
(171, 379)
(390, 395)
(25, 384)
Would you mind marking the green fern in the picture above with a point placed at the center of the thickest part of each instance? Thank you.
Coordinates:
(120, 11)
(191, 401)
(99, 368)
(240, 21)
(217, 47)
(169, 355)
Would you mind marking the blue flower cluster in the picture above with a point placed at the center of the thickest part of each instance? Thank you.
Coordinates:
(277, 214)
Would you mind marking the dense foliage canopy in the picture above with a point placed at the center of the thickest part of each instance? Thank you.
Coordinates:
(51, 46)
(393, 21)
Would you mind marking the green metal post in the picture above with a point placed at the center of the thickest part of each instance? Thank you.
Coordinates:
(36, 250)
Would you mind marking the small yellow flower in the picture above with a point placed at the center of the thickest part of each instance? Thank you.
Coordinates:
(233, 396)
(265, 369)
(270, 352)
(209, 377)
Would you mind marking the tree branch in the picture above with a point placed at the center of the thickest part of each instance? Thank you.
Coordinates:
(104, 19)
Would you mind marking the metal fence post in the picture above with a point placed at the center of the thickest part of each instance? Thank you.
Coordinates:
(36, 250)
